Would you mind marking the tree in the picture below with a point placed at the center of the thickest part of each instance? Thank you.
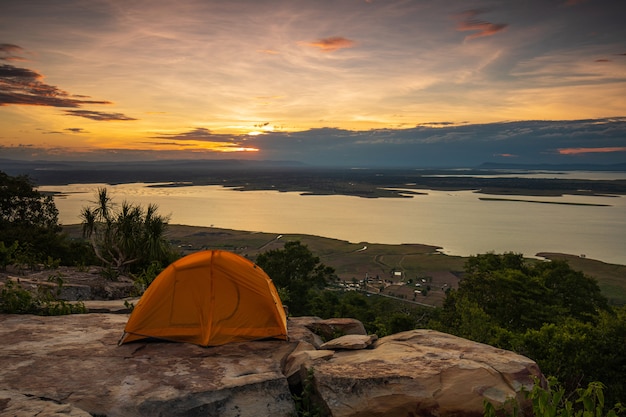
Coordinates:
(128, 239)
(517, 295)
(295, 270)
(28, 217)
(576, 351)
(544, 310)
(572, 292)
(400, 322)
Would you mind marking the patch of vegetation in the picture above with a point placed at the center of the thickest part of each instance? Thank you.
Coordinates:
(305, 399)
(30, 236)
(14, 299)
(143, 280)
(552, 401)
(127, 239)
(297, 272)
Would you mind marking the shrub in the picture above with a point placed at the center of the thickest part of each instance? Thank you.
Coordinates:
(551, 401)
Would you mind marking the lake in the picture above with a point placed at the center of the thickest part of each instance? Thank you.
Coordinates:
(459, 221)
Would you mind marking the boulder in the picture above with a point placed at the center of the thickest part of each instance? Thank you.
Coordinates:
(302, 356)
(298, 330)
(350, 341)
(420, 372)
(332, 328)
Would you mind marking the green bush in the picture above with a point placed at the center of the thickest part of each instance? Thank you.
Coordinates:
(143, 280)
(14, 299)
(7, 254)
(551, 401)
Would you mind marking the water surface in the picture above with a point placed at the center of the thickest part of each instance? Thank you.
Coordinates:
(459, 222)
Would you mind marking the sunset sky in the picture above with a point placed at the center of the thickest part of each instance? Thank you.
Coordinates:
(314, 80)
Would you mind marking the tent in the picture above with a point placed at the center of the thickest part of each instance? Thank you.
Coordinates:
(209, 298)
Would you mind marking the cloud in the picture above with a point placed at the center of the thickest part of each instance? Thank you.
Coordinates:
(481, 27)
(76, 130)
(98, 115)
(22, 86)
(200, 134)
(331, 44)
(594, 141)
(178, 144)
(8, 52)
(451, 145)
(438, 124)
(203, 140)
(578, 151)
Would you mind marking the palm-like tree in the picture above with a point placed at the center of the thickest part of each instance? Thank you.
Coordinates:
(129, 236)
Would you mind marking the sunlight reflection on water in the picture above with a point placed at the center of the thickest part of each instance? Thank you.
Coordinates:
(457, 221)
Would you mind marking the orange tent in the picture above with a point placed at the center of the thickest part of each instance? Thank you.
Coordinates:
(209, 298)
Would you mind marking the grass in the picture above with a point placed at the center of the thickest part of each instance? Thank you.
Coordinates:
(352, 261)
(611, 277)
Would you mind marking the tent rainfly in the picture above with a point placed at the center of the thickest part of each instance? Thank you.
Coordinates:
(209, 298)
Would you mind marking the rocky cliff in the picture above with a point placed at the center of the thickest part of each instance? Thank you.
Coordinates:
(72, 366)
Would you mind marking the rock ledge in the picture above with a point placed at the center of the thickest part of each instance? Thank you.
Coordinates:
(72, 366)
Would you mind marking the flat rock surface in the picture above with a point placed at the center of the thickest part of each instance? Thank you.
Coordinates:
(75, 360)
(350, 341)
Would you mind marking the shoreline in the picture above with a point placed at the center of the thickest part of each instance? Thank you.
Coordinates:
(358, 260)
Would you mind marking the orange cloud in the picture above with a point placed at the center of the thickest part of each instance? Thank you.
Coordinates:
(577, 151)
(331, 44)
(481, 27)
(98, 115)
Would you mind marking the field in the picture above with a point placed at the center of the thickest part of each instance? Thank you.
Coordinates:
(383, 265)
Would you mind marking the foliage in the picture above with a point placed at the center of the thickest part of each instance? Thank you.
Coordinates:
(28, 217)
(128, 239)
(143, 280)
(14, 299)
(380, 315)
(7, 254)
(518, 296)
(30, 235)
(301, 280)
(306, 406)
(296, 272)
(552, 401)
(544, 310)
(576, 351)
